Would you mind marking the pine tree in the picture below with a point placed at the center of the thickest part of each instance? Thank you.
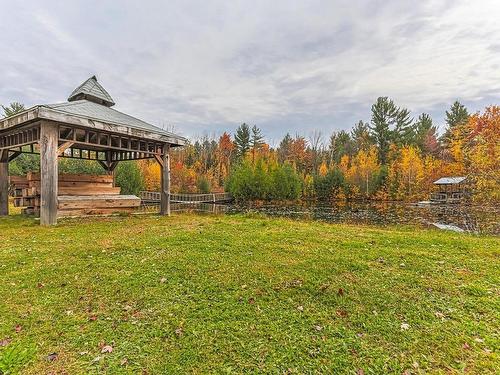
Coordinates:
(457, 115)
(360, 135)
(384, 113)
(256, 141)
(12, 109)
(423, 127)
(284, 148)
(242, 140)
(340, 144)
(404, 131)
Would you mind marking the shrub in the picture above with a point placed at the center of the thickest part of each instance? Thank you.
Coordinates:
(128, 177)
(262, 182)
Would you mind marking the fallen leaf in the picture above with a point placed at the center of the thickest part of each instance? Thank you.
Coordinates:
(360, 371)
(6, 341)
(179, 332)
(341, 313)
(40, 285)
(300, 308)
(340, 292)
(251, 300)
(439, 315)
(324, 287)
(405, 326)
(93, 318)
(318, 328)
(107, 349)
(163, 280)
(52, 357)
(18, 328)
(466, 346)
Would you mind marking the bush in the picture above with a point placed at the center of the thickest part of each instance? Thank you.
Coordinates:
(128, 177)
(262, 182)
(328, 186)
(203, 185)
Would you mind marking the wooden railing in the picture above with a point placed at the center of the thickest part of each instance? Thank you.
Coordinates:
(154, 196)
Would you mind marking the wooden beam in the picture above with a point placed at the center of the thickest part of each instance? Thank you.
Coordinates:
(14, 155)
(4, 183)
(165, 183)
(64, 147)
(48, 173)
(159, 159)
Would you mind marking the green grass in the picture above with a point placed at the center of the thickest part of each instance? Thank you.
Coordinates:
(232, 294)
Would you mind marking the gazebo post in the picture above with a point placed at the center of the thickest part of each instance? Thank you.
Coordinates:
(165, 182)
(4, 182)
(49, 137)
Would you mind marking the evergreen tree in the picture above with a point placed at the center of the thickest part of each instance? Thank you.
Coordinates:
(360, 135)
(256, 141)
(13, 109)
(423, 126)
(340, 145)
(242, 140)
(404, 131)
(457, 115)
(384, 114)
(284, 148)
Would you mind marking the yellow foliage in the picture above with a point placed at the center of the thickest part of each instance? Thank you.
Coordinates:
(323, 169)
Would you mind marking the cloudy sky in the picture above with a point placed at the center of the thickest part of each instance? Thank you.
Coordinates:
(286, 66)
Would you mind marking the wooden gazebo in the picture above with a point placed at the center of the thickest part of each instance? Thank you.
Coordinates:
(85, 127)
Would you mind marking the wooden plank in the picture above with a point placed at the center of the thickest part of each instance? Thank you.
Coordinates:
(48, 172)
(94, 212)
(165, 183)
(77, 190)
(80, 202)
(76, 177)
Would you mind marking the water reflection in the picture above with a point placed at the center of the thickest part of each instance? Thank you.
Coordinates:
(472, 219)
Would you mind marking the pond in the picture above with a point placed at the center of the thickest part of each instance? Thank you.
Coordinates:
(460, 218)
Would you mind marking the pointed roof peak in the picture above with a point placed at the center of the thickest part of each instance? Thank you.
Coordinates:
(92, 90)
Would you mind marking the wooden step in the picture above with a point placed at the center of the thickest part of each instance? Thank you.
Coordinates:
(97, 202)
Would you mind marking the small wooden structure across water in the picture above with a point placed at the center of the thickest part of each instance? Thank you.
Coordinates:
(450, 190)
(84, 127)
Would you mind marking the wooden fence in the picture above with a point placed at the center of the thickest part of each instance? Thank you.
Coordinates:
(154, 197)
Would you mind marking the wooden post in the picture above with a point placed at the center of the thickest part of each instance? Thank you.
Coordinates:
(165, 182)
(4, 182)
(49, 136)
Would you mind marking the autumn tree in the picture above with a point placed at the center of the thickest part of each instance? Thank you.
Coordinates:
(225, 151)
(482, 154)
(364, 170)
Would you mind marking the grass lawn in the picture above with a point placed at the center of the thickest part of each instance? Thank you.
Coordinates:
(232, 294)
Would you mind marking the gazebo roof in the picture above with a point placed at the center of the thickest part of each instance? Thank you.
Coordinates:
(91, 90)
(88, 106)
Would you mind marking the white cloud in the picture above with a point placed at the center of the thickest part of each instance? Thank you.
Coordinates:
(288, 65)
